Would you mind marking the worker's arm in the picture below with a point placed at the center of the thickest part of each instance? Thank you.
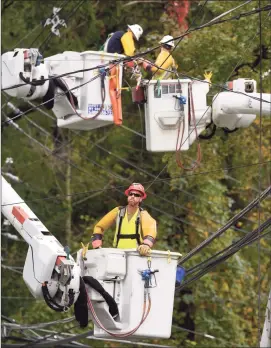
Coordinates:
(102, 226)
(149, 231)
(128, 44)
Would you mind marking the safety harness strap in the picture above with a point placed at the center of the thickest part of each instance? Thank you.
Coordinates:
(136, 235)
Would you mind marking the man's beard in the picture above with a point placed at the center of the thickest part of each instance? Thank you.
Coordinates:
(132, 203)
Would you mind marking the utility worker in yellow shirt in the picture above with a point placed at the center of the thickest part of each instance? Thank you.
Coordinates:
(164, 60)
(123, 42)
(135, 228)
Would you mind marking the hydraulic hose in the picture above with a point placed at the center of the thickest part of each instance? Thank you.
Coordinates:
(131, 332)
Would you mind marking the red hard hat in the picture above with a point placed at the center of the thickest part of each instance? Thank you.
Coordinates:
(136, 187)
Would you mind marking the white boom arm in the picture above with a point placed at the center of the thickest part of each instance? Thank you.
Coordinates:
(235, 110)
(48, 271)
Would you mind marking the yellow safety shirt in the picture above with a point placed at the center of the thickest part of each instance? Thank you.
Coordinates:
(128, 44)
(147, 227)
(165, 61)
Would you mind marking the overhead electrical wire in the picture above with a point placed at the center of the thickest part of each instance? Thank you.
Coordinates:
(15, 326)
(10, 268)
(152, 175)
(152, 207)
(172, 178)
(95, 163)
(12, 325)
(106, 171)
(198, 333)
(244, 241)
(224, 257)
(120, 158)
(63, 3)
(221, 88)
(174, 48)
(57, 95)
(124, 186)
(130, 58)
(98, 75)
(235, 218)
(163, 212)
(124, 342)
(259, 161)
(116, 61)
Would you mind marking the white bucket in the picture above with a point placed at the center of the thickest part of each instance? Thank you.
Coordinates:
(129, 289)
(90, 93)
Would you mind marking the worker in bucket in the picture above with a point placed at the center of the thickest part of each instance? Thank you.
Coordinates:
(123, 42)
(164, 60)
(135, 228)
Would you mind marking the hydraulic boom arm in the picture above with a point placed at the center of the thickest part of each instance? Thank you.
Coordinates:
(49, 271)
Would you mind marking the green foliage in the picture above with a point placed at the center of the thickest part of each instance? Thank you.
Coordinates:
(194, 204)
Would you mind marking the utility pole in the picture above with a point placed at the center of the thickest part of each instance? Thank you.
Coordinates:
(266, 334)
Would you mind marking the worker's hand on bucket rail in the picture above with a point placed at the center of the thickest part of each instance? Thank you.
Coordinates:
(144, 249)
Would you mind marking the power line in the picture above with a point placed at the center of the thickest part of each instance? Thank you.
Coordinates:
(171, 52)
(154, 194)
(221, 88)
(198, 333)
(143, 182)
(227, 254)
(207, 241)
(57, 95)
(14, 326)
(10, 268)
(143, 136)
(108, 172)
(121, 159)
(163, 212)
(61, 6)
(98, 75)
(210, 23)
(259, 161)
(126, 179)
(243, 241)
(114, 340)
(266, 8)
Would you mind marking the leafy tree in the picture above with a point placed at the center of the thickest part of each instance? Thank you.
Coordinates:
(80, 175)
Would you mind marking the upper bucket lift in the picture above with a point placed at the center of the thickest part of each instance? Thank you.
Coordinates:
(98, 93)
(168, 111)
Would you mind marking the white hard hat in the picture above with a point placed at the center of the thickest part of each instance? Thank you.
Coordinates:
(136, 30)
(167, 38)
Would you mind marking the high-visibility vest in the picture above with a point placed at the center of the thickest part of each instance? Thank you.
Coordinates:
(128, 234)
